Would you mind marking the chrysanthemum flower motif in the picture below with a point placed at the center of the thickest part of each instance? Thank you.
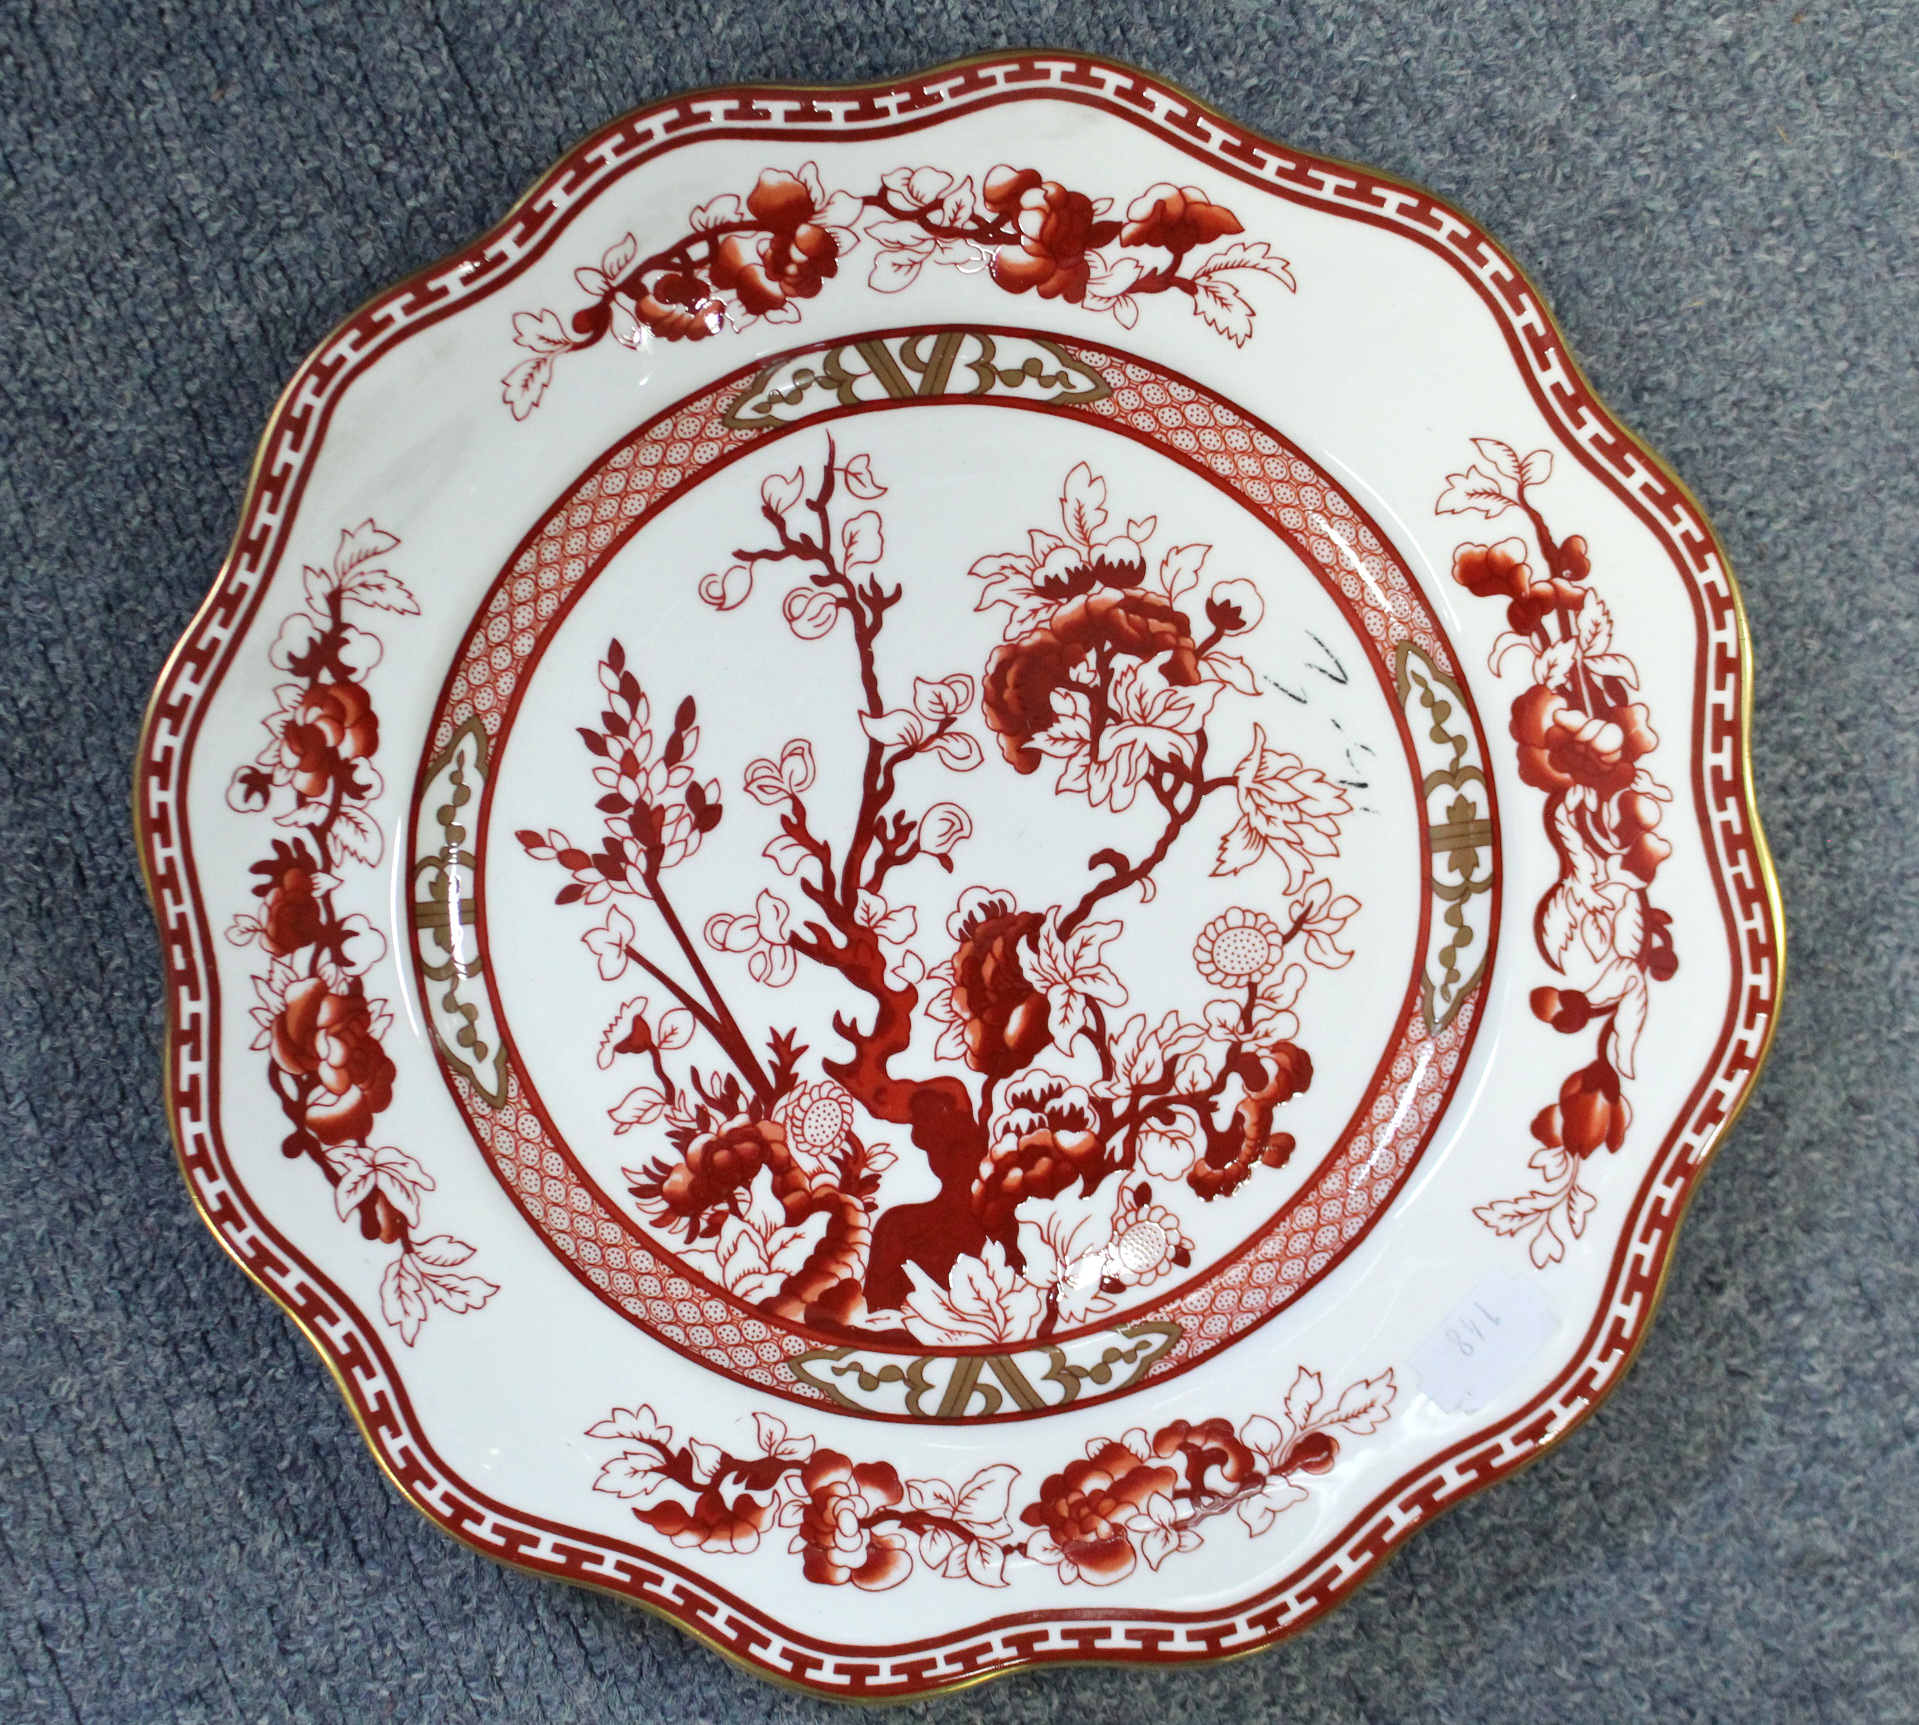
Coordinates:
(817, 1118)
(1147, 1245)
(1239, 947)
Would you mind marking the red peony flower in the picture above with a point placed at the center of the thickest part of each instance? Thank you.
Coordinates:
(678, 307)
(789, 260)
(290, 916)
(333, 725)
(1212, 1444)
(319, 1034)
(1541, 599)
(712, 1523)
(1002, 1013)
(1493, 571)
(1502, 572)
(1590, 1112)
(1022, 676)
(835, 1523)
(1057, 228)
(1176, 218)
(718, 1164)
(1046, 1141)
(1559, 746)
(1088, 1513)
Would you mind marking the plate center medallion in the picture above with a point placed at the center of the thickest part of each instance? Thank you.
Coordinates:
(953, 875)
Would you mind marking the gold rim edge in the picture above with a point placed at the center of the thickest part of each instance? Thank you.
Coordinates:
(1708, 1154)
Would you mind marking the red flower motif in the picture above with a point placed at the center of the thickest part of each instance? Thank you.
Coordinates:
(1633, 823)
(1567, 1010)
(1542, 599)
(835, 1528)
(678, 307)
(1088, 1513)
(1502, 572)
(1238, 947)
(1559, 746)
(328, 1036)
(1119, 563)
(721, 1163)
(1057, 228)
(789, 260)
(1148, 1242)
(1590, 1112)
(1493, 571)
(291, 916)
(334, 724)
(712, 1523)
(1023, 676)
(1314, 1453)
(817, 1119)
(1176, 218)
(1212, 1444)
(1001, 1011)
(1046, 1141)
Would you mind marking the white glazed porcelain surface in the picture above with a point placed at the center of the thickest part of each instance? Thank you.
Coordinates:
(1385, 1207)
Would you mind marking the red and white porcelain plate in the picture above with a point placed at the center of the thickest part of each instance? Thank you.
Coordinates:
(958, 875)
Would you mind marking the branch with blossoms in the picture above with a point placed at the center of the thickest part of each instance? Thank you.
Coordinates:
(1102, 671)
(656, 814)
(1139, 1497)
(744, 260)
(321, 1030)
(1582, 741)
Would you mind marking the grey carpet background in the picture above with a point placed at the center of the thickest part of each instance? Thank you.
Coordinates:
(1720, 203)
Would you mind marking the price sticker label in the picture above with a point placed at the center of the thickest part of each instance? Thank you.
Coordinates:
(1485, 1339)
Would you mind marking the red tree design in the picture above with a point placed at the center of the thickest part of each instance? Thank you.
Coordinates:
(1108, 670)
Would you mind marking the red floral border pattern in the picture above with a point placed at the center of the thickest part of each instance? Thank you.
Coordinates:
(320, 1029)
(746, 261)
(354, 1349)
(1140, 1496)
(1582, 739)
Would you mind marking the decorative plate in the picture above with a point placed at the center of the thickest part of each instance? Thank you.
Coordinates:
(958, 875)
